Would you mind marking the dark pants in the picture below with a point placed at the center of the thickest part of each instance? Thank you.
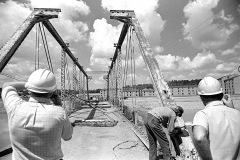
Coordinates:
(156, 133)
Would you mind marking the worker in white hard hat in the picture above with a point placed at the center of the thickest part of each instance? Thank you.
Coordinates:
(36, 126)
(216, 128)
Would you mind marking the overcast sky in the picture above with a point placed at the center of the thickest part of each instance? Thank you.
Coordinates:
(190, 39)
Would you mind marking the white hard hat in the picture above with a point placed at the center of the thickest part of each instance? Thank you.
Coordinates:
(41, 81)
(209, 86)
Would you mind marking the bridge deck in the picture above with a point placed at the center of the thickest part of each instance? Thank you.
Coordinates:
(103, 143)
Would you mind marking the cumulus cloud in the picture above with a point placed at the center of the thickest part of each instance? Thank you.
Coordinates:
(158, 49)
(102, 43)
(204, 60)
(232, 50)
(103, 38)
(14, 13)
(226, 67)
(105, 35)
(151, 22)
(139, 62)
(203, 28)
(100, 63)
(167, 62)
(200, 61)
(70, 29)
(70, 9)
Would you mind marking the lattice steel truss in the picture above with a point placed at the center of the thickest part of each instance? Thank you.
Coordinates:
(80, 85)
(114, 83)
(83, 87)
(63, 57)
(111, 87)
(74, 87)
(119, 79)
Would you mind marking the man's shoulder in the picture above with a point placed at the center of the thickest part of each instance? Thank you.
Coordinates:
(57, 108)
(218, 110)
(50, 108)
(167, 111)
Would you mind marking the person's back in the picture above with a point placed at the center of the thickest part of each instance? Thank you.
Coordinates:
(37, 126)
(216, 128)
(223, 130)
(163, 113)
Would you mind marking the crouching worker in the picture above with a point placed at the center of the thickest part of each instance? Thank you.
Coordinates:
(36, 126)
(158, 118)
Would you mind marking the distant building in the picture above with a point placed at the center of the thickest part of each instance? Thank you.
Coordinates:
(129, 92)
(147, 92)
(103, 93)
(230, 84)
(189, 90)
(184, 90)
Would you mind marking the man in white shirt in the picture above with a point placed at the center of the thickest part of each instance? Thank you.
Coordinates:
(36, 126)
(216, 128)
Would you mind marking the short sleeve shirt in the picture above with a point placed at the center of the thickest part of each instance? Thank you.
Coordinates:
(223, 128)
(35, 126)
(166, 115)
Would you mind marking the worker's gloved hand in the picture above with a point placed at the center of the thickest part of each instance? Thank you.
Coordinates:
(73, 124)
(176, 130)
(227, 101)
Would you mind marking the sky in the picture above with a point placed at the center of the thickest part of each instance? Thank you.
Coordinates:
(189, 39)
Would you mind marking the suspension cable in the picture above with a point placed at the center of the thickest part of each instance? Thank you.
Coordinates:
(125, 65)
(45, 47)
(67, 71)
(48, 53)
(134, 67)
(37, 48)
(127, 58)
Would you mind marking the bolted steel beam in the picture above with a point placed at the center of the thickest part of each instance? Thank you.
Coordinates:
(10, 47)
(55, 34)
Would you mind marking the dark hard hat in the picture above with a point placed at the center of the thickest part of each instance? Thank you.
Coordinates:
(180, 109)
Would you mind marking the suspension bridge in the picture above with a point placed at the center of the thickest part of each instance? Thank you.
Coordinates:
(106, 119)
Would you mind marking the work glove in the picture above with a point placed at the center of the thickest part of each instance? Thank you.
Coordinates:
(176, 130)
(73, 124)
